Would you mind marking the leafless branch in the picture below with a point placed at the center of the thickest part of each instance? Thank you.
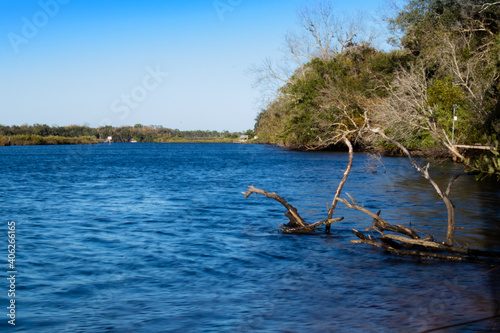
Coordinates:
(424, 171)
(292, 214)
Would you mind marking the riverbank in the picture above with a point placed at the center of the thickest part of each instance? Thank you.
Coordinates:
(196, 140)
(427, 152)
(32, 140)
(35, 140)
(43, 134)
(165, 204)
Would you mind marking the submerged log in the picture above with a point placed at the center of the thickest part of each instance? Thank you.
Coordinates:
(297, 224)
(421, 254)
(293, 215)
(379, 222)
(427, 248)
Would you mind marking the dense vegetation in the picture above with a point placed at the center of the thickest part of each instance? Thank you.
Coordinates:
(448, 58)
(44, 134)
(445, 63)
(328, 97)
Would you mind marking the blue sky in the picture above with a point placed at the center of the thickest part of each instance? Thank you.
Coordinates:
(179, 64)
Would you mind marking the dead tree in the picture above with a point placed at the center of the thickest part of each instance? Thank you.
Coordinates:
(424, 171)
(297, 224)
(397, 239)
(405, 241)
(341, 185)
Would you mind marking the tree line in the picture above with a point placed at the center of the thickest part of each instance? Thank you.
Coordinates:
(437, 87)
(44, 134)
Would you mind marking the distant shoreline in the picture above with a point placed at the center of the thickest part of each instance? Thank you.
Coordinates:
(36, 140)
(38, 134)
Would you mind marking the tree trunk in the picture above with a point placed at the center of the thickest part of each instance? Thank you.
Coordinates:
(444, 195)
(341, 185)
(451, 221)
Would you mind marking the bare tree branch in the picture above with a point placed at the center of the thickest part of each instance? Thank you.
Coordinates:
(486, 6)
(407, 109)
(292, 214)
(379, 222)
(341, 184)
(425, 173)
(323, 33)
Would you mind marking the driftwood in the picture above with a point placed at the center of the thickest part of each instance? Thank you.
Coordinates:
(293, 215)
(341, 184)
(439, 246)
(400, 240)
(413, 253)
(406, 241)
(410, 242)
(472, 255)
(297, 224)
(424, 171)
(379, 222)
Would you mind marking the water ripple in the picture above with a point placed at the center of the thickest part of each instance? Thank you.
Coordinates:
(158, 237)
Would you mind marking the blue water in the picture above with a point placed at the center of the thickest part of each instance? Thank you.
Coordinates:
(159, 238)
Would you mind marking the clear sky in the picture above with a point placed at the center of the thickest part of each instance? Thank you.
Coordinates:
(179, 64)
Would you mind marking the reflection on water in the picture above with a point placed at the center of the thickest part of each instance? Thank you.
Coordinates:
(158, 237)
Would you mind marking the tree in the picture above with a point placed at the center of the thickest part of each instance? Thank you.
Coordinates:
(449, 66)
(457, 40)
(323, 33)
(317, 109)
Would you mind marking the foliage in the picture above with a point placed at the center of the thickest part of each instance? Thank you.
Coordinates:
(448, 100)
(331, 95)
(448, 61)
(486, 165)
(44, 134)
(33, 139)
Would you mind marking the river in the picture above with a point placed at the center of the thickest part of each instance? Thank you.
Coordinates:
(159, 238)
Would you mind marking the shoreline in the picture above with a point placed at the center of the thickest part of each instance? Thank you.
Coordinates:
(55, 141)
(434, 152)
(37, 140)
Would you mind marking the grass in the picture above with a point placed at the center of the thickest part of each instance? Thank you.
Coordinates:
(29, 140)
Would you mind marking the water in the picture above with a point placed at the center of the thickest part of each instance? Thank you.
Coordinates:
(159, 238)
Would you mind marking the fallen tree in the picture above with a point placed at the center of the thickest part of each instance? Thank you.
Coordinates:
(405, 241)
(424, 171)
(297, 224)
(396, 239)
